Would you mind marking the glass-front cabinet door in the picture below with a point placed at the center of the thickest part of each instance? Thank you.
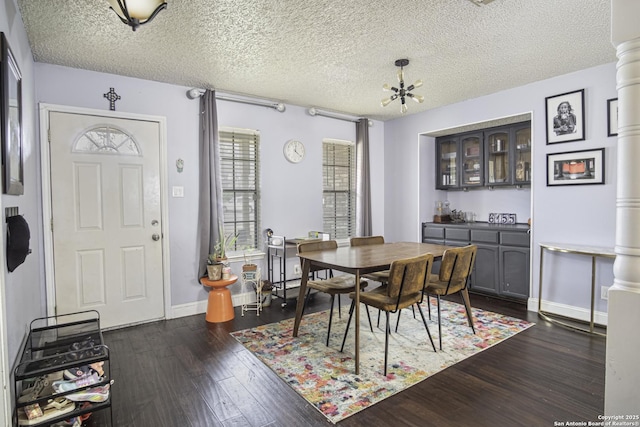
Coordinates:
(447, 163)
(522, 158)
(497, 150)
(472, 165)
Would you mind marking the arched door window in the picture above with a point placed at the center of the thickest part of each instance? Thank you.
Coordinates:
(107, 140)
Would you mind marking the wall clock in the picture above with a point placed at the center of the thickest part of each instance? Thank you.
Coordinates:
(293, 151)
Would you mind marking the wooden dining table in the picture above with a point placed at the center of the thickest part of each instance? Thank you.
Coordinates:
(359, 260)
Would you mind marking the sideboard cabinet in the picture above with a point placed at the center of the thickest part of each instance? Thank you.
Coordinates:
(502, 264)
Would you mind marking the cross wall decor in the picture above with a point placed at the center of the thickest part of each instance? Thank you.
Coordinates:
(112, 96)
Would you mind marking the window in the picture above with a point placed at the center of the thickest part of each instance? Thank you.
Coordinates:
(106, 140)
(338, 188)
(239, 161)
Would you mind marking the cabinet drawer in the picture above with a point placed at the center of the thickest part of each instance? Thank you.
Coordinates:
(484, 236)
(514, 239)
(457, 234)
(433, 232)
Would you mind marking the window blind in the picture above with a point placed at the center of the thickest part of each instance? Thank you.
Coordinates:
(339, 188)
(240, 172)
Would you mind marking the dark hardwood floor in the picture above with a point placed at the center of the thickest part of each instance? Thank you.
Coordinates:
(187, 372)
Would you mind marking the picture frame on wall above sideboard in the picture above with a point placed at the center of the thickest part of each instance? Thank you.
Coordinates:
(565, 117)
(612, 117)
(11, 120)
(575, 168)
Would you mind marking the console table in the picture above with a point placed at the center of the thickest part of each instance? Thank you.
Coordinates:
(593, 252)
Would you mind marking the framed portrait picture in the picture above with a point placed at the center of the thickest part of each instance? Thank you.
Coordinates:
(565, 117)
(11, 120)
(575, 167)
(612, 117)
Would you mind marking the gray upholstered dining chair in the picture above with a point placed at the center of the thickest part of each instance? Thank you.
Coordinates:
(455, 269)
(405, 287)
(333, 286)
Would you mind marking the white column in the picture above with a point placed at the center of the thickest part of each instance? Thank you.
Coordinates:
(622, 381)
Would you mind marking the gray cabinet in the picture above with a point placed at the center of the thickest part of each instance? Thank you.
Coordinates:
(514, 272)
(502, 261)
(492, 157)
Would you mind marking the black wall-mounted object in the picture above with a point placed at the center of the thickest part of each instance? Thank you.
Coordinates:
(18, 236)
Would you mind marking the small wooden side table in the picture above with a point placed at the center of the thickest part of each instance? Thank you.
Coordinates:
(219, 306)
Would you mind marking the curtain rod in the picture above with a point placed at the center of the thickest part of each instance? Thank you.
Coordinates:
(196, 93)
(347, 118)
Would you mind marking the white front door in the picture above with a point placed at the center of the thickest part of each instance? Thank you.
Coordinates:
(106, 217)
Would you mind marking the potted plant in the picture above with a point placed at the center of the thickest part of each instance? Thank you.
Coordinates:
(248, 266)
(216, 260)
(225, 242)
(214, 268)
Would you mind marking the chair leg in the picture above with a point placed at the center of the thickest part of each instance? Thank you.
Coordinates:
(346, 331)
(387, 330)
(306, 301)
(413, 310)
(429, 305)
(398, 320)
(339, 308)
(378, 325)
(439, 324)
(467, 307)
(333, 297)
(427, 328)
(369, 317)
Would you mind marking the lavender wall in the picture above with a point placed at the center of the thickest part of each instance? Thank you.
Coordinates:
(24, 288)
(291, 194)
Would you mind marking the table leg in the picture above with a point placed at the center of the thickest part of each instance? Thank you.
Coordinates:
(357, 302)
(306, 264)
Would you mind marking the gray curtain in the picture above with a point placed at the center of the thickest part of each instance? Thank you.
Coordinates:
(210, 206)
(363, 179)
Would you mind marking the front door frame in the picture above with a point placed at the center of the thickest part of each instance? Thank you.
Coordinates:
(45, 161)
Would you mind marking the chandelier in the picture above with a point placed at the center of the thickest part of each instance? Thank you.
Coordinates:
(137, 12)
(402, 92)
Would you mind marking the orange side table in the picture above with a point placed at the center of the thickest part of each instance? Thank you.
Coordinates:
(219, 307)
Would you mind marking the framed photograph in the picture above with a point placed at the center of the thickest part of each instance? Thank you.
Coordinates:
(575, 168)
(565, 117)
(11, 120)
(612, 117)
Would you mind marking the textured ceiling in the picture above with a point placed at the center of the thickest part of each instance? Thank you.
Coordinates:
(330, 54)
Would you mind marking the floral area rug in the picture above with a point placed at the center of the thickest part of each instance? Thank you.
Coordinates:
(325, 377)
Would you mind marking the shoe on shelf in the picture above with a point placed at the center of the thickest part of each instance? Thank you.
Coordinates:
(48, 414)
(62, 386)
(96, 394)
(77, 373)
(98, 367)
(41, 387)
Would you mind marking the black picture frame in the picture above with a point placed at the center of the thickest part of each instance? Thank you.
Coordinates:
(612, 117)
(569, 125)
(11, 120)
(584, 167)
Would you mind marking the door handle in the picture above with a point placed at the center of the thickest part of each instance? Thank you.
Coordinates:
(155, 237)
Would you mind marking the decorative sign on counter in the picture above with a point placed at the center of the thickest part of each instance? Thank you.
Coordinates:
(502, 218)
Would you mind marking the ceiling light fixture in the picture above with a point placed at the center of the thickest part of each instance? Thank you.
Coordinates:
(137, 12)
(402, 92)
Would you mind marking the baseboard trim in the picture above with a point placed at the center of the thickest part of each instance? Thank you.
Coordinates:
(200, 307)
(568, 311)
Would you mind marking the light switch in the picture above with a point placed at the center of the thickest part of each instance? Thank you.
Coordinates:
(178, 191)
